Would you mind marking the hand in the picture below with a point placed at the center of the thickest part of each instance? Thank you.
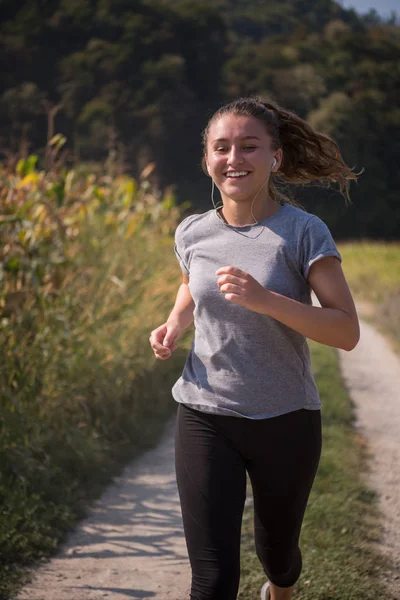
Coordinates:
(241, 288)
(162, 339)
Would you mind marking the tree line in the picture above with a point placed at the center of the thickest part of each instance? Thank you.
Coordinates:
(138, 79)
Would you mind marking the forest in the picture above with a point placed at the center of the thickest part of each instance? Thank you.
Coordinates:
(138, 79)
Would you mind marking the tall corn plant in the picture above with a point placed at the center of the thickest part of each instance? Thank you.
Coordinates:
(87, 270)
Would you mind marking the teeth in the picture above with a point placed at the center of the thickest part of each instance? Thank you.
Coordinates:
(236, 173)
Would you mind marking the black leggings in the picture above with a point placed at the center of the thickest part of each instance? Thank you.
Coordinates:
(213, 453)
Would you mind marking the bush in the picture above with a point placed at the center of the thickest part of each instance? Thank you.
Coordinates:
(88, 270)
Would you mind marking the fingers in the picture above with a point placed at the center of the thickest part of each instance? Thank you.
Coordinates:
(163, 353)
(229, 270)
(169, 339)
(162, 342)
(231, 279)
(231, 283)
(236, 298)
(156, 341)
(230, 288)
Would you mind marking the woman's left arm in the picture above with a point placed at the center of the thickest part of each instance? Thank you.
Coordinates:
(334, 323)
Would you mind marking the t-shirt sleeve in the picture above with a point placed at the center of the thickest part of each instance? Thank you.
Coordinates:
(317, 242)
(180, 251)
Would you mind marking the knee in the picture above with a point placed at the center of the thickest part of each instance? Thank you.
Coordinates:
(221, 584)
(282, 566)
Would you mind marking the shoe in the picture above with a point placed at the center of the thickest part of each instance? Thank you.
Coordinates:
(265, 591)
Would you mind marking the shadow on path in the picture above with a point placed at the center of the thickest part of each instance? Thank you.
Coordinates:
(137, 518)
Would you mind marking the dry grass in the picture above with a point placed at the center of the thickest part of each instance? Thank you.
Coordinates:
(372, 270)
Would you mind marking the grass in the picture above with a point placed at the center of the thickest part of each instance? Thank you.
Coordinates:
(372, 270)
(87, 271)
(79, 392)
(342, 517)
(40, 507)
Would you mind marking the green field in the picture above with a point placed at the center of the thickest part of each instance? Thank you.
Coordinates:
(373, 272)
(372, 269)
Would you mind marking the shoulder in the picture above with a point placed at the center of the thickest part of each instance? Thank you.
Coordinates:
(193, 225)
(305, 222)
(298, 215)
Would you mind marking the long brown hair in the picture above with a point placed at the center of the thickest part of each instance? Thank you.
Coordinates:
(308, 156)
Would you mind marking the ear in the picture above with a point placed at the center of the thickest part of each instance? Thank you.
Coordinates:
(204, 166)
(278, 160)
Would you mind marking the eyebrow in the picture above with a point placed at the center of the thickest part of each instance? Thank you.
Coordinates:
(247, 137)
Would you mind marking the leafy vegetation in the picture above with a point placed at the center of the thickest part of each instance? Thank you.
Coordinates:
(81, 290)
(140, 78)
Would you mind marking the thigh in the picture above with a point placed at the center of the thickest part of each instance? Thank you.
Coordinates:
(211, 479)
(282, 471)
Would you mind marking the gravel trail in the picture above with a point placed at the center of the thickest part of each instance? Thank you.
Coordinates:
(132, 545)
(372, 375)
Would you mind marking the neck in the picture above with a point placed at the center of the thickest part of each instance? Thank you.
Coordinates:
(235, 213)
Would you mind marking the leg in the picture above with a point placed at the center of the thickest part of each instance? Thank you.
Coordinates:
(282, 472)
(278, 593)
(211, 480)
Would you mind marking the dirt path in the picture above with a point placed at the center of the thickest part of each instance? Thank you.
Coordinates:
(372, 375)
(132, 544)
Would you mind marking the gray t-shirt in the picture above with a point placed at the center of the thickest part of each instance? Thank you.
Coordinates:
(243, 363)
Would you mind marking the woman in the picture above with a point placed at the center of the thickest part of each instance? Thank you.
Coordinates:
(247, 397)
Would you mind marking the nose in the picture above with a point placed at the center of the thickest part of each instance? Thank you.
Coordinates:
(235, 156)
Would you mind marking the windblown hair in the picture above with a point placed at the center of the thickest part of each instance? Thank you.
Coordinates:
(308, 156)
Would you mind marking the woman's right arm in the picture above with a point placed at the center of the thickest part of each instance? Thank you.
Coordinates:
(163, 338)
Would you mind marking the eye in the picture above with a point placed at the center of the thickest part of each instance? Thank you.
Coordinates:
(221, 149)
(250, 148)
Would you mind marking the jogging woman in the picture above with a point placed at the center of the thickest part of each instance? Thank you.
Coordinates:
(247, 398)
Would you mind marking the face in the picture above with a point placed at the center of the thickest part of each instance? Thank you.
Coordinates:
(239, 157)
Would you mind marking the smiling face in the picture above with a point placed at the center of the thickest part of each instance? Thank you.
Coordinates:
(239, 157)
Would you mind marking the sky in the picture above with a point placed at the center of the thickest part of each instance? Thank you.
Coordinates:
(383, 7)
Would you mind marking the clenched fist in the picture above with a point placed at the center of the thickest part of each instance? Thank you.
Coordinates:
(163, 339)
(241, 288)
